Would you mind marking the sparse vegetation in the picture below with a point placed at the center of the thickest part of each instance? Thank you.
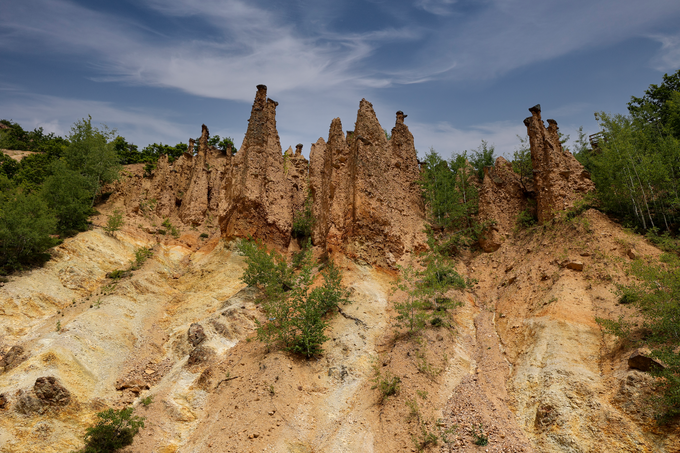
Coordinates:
(114, 222)
(303, 223)
(170, 228)
(296, 313)
(387, 384)
(114, 430)
(655, 295)
(480, 437)
(147, 401)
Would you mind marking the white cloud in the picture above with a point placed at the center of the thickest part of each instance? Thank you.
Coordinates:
(511, 34)
(256, 47)
(438, 7)
(668, 58)
(447, 139)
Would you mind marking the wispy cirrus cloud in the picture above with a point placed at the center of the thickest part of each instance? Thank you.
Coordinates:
(668, 57)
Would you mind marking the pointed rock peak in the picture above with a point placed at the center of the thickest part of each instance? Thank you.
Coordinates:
(298, 150)
(335, 133)
(192, 143)
(289, 151)
(367, 128)
(203, 141)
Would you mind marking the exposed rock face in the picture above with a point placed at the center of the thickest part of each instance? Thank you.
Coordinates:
(12, 358)
(196, 334)
(51, 392)
(256, 200)
(559, 179)
(501, 198)
(367, 186)
(195, 200)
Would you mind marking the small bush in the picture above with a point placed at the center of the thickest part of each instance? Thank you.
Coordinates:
(203, 235)
(114, 222)
(295, 312)
(481, 439)
(387, 385)
(118, 274)
(303, 223)
(147, 401)
(525, 219)
(114, 430)
(149, 169)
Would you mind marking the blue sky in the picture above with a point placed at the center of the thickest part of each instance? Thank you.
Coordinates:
(461, 70)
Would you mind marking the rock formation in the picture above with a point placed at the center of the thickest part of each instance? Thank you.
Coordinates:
(364, 188)
(256, 201)
(559, 179)
(501, 198)
(366, 195)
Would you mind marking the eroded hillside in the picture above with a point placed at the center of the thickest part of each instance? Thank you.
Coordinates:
(524, 361)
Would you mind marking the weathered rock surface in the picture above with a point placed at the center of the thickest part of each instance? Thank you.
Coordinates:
(256, 201)
(51, 392)
(559, 179)
(196, 334)
(366, 190)
(12, 358)
(502, 197)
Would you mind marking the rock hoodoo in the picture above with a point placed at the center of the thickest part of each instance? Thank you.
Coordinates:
(256, 200)
(559, 179)
(366, 191)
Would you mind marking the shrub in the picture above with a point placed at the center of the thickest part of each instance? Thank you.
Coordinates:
(386, 385)
(25, 227)
(114, 222)
(114, 430)
(303, 223)
(295, 313)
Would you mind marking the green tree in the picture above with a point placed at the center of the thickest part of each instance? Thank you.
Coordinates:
(25, 227)
(68, 193)
(451, 199)
(128, 153)
(8, 166)
(91, 153)
(658, 105)
(481, 158)
(225, 144)
(114, 430)
(34, 170)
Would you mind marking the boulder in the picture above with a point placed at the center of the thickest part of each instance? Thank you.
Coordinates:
(13, 357)
(51, 392)
(196, 334)
(574, 265)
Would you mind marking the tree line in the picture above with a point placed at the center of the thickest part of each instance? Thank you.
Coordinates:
(51, 194)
